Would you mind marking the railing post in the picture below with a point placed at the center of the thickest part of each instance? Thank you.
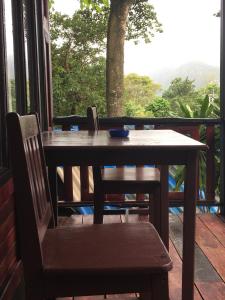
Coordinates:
(68, 177)
(210, 163)
(139, 197)
(84, 177)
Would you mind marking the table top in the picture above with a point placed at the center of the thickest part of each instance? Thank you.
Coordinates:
(154, 139)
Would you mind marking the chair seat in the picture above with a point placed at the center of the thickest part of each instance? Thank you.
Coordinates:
(140, 250)
(138, 174)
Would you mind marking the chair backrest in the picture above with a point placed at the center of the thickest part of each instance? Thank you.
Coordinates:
(92, 118)
(32, 195)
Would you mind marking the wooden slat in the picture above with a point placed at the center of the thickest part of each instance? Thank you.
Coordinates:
(175, 281)
(7, 242)
(210, 163)
(10, 267)
(6, 192)
(7, 225)
(9, 291)
(205, 275)
(216, 225)
(70, 221)
(175, 276)
(212, 290)
(204, 271)
(6, 208)
(7, 265)
(212, 248)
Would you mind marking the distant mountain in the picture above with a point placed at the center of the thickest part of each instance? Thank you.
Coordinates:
(200, 72)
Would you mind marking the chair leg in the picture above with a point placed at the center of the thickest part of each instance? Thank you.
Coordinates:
(160, 287)
(99, 199)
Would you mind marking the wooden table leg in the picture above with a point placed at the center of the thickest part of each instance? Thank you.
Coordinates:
(52, 177)
(164, 199)
(189, 227)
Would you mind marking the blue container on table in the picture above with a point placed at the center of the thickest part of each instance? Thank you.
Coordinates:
(115, 133)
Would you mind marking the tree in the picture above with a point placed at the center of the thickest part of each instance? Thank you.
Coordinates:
(179, 88)
(78, 45)
(182, 90)
(139, 89)
(131, 20)
(159, 107)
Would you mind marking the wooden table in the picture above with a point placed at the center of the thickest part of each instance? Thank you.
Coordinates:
(161, 147)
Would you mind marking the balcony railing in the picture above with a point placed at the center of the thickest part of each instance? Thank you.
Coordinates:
(205, 130)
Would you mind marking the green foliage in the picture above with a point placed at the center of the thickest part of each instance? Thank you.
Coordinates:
(78, 46)
(142, 22)
(207, 108)
(98, 5)
(139, 89)
(159, 107)
(179, 88)
(140, 97)
(182, 91)
(81, 87)
(133, 109)
(142, 19)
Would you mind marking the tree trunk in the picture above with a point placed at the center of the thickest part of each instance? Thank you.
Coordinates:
(119, 10)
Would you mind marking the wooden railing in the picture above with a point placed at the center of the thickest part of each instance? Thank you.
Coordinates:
(195, 128)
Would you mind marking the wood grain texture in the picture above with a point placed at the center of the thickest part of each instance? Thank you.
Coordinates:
(216, 225)
(211, 246)
(204, 271)
(175, 276)
(148, 138)
(10, 266)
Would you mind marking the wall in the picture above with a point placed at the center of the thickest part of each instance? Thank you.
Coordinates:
(10, 265)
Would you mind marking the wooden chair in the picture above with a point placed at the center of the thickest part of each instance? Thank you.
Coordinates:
(80, 260)
(122, 180)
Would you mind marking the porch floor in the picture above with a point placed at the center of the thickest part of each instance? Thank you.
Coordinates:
(209, 255)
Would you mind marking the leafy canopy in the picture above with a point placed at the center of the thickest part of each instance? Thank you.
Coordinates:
(78, 63)
(142, 19)
(139, 89)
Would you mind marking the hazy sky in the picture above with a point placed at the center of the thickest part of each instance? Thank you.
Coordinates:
(190, 33)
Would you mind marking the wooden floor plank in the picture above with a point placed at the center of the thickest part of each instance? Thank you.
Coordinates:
(175, 281)
(133, 218)
(216, 225)
(212, 248)
(212, 291)
(112, 219)
(70, 221)
(87, 219)
(204, 270)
